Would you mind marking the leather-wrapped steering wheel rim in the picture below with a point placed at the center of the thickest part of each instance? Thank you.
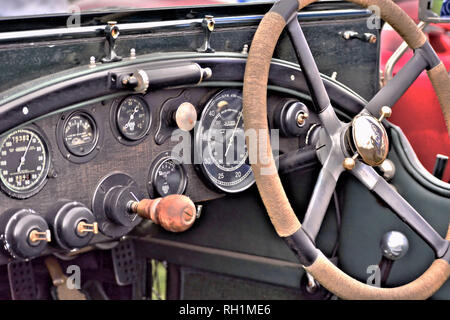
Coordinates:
(267, 179)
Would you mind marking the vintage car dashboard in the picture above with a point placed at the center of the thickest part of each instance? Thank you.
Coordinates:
(80, 139)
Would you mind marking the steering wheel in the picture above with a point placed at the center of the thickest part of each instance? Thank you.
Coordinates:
(355, 146)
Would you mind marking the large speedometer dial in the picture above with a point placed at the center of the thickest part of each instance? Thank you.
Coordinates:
(24, 162)
(220, 143)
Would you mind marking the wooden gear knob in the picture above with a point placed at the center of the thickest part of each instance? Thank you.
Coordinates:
(175, 213)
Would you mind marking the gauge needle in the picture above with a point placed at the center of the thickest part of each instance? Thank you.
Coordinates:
(132, 116)
(234, 132)
(22, 159)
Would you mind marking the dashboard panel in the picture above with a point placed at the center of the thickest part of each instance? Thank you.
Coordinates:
(56, 168)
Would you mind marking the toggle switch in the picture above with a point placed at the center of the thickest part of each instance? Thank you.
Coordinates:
(25, 234)
(36, 236)
(73, 225)
(83, 227)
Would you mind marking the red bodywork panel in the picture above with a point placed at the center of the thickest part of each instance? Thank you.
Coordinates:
(418, 112)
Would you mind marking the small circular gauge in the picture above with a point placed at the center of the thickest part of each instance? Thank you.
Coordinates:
(24, 162)
(220, 143)
(167, 176)
(80, 134)
(133, 118)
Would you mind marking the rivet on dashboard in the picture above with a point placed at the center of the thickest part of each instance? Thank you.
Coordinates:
(133, 53)
(92, 62)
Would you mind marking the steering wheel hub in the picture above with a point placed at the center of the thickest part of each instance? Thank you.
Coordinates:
(370, 139)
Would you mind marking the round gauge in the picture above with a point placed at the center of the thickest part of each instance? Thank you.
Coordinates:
(24, 162)
(80, 134)
(220, 143)
(133, 118)
(167, 176)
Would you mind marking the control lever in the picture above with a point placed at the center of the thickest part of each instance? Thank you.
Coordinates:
(175, 213)
(440, 165)
(394, 245)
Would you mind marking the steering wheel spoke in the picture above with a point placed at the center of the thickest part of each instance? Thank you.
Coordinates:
(374, 182)
(321, 101)
(322, 193)
(423, 58)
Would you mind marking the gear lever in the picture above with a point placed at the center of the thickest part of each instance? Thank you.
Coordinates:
(394, 245)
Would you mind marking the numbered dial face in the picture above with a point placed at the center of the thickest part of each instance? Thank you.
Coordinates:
(133, 118)
(169, 177)
(80, 134)
(24, 162)
(221, 143)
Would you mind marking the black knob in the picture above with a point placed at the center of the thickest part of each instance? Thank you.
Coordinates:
(24, 233)
(110, 203)
(292, 119)
(73, 225)
(116, 204)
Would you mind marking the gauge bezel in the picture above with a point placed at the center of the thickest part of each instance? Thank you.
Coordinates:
(241, 186)
(60, 139)
(44, 178)
(156, 163)
(118, 134)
